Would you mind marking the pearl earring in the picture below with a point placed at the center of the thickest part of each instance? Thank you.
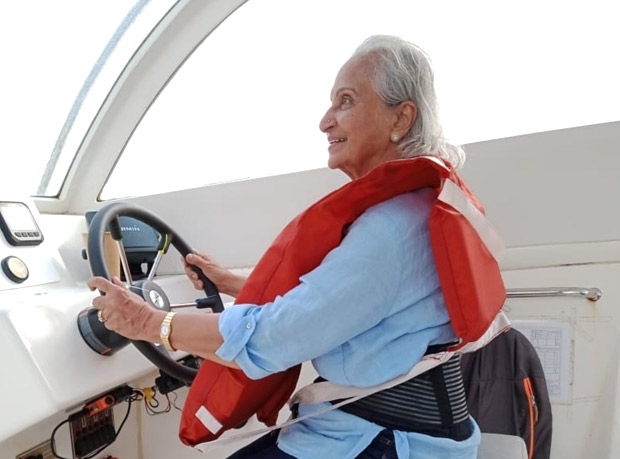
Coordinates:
(394, 138)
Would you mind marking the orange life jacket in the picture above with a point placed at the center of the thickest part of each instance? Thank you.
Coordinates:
(221, 398)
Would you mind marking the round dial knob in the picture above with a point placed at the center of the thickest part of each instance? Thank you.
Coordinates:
(15, 269)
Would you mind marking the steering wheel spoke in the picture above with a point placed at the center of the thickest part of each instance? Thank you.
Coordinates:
(162, 249)
(124, 262)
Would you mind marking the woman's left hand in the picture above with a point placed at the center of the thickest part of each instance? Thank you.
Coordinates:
(124, 312)
(225, 280)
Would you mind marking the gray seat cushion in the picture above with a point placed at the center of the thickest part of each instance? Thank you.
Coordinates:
(500, 446)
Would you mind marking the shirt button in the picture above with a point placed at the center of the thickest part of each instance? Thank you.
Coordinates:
(248, 325)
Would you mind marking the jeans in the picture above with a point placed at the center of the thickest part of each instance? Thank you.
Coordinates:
(382, 447)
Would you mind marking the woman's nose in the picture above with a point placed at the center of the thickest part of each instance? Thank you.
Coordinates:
(326, 122)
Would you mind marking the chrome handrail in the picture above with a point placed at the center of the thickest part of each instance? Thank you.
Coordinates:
(592, 294)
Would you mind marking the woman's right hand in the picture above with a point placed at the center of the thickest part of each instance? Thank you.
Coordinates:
(226, 281)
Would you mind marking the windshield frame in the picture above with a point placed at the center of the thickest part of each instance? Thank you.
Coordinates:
(153, 64)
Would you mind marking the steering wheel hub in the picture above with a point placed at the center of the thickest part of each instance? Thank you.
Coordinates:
(152, 293)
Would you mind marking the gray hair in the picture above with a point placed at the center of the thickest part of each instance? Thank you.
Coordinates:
(402, 71)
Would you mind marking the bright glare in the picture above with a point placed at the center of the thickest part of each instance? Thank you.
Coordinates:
(46, 59)
(248, 102)
(52, 63)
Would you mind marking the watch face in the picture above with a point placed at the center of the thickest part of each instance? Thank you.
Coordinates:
(165, 329)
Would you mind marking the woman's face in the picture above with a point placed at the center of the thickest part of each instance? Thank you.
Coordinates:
(358, 123)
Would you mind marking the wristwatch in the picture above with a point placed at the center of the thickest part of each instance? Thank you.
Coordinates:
(165, 329)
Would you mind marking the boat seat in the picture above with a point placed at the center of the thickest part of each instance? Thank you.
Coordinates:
(501, 446)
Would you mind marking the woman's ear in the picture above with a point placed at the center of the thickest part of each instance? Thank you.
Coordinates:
(406, 114)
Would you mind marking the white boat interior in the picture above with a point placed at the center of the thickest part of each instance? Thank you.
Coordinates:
(206, 113)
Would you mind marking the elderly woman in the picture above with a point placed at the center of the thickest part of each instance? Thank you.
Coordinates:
(373, 306)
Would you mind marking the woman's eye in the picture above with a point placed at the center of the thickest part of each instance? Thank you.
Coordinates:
(345, 101)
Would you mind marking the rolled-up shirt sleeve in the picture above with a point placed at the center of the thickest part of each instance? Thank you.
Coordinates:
(237, 328)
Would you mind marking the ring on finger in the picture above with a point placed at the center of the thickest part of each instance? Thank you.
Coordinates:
(100, 315)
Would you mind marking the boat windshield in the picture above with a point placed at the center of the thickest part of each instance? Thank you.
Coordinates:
(261, 81)
(60, 59)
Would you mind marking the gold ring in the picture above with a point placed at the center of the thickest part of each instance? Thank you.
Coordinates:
(100, 315)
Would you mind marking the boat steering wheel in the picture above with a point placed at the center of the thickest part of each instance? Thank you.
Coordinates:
(105, 341)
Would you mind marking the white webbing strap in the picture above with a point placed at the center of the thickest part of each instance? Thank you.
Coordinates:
(454, 196)
(208, 420)
(326, 391)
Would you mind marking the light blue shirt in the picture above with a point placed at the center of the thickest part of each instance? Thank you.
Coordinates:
(365, 315)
